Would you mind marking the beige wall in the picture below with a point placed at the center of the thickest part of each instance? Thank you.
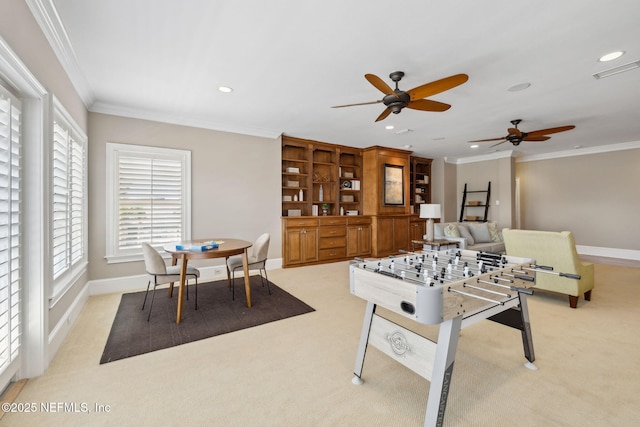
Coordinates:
(595, 196)
(21, 32)
(235, 180)
(477, 175)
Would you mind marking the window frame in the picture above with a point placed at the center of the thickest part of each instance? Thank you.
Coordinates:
(114, 151)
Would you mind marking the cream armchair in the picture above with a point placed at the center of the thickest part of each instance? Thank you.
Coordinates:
(555, 249)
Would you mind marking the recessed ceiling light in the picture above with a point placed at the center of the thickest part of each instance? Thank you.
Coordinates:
(225, 89)
(388, 127)
(401, 131)
(440, 138)
(611, 56)
(474, 146)
(519, 87)
(407, 146)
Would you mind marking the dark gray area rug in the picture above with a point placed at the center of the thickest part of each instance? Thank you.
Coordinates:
(217, 314)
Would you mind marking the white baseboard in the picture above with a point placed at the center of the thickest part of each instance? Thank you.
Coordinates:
(62, 328)
(609, 252)
(139, 282)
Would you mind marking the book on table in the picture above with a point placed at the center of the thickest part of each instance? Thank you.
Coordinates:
(198, 247)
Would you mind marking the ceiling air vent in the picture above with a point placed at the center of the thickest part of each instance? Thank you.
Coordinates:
(617, 70)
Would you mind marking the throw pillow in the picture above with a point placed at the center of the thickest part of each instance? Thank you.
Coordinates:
(493, 231)
(451, 230)
(464, 232)
(438, 230)
(480, 232)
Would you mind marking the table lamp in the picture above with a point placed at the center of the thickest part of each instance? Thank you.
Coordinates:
(430, 212)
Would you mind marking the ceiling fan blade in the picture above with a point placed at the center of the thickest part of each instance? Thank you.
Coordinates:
(536, 138)
(550, 130)
(428, 105)
(486, 140)
(436, 87)
(384, 114)
(498, 143)
(514, 131)
(379, 84)
(353, 105)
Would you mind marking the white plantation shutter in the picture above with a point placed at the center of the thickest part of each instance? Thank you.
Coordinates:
(150, 201)
(68, 202)
(10, 228)
(60, 200)
(150, 197)
(68, 199)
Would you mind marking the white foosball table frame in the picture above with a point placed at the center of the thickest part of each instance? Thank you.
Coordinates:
(452, 288)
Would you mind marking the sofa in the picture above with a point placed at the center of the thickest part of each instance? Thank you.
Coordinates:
(477, 236)
(557, 250)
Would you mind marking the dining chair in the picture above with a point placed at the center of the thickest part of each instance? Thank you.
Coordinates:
(162, 274)
(257, 259)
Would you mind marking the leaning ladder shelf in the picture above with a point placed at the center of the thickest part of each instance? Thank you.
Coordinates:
(466, 204)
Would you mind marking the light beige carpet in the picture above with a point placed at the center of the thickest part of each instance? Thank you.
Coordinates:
(297, 372)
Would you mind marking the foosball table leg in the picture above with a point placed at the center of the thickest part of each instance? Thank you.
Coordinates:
(442, 371)
(364, 338)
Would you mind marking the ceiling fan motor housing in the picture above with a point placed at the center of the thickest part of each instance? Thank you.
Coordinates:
(396, 102)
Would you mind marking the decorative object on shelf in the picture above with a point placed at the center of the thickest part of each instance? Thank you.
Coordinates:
(293, 183)
(347, 198)
(321, 194)
(294, 212)
(393, 185)
(347, 175)
(314, 210)
(346, 185)
(352, 213)
(325, 208)
(286, 198)
(295, 197)
(301, 196)
(341, 211)
(292, 170)
(430, 212)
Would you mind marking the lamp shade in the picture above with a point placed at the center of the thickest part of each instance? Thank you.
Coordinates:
(429, 211)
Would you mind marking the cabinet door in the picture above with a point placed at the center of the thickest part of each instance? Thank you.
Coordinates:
(310, 245)
(418, 230)
(301, 246)
(364, 240)
(384, 234)
(401, 234)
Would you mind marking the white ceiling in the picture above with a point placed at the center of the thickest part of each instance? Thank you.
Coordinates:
(289, 61)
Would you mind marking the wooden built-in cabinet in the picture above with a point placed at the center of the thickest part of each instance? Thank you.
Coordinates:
(420, 185)
(313, 240)
(417, 228)
(350, 181)
(358, 236)
(316, 174)
(300, 238)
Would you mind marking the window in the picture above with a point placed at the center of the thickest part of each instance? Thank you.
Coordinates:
(10, 227)
(148, 191)
(68, 188)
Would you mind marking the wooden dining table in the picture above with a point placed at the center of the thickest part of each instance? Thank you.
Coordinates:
(225, 249)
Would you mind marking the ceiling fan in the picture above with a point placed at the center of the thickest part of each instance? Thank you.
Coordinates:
(516, 136)
(395, 99)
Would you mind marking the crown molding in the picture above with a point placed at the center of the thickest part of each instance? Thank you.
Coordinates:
(481, 158)
(581, 151)
(47, 17)
(115, 110)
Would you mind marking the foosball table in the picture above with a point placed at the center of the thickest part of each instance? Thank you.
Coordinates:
(450, 288)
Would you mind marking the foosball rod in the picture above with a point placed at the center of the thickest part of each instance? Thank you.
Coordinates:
(548, 270)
